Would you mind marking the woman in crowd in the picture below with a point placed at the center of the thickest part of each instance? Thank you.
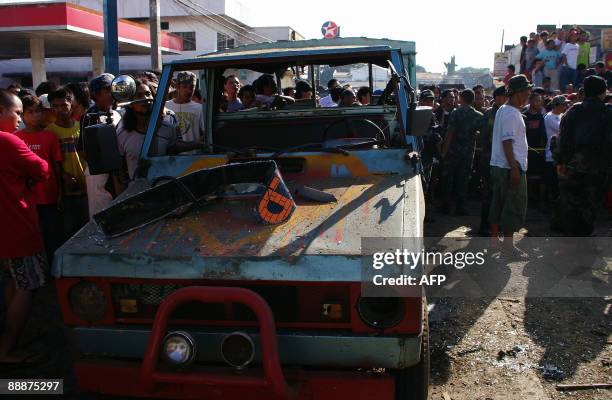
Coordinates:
(133, 127)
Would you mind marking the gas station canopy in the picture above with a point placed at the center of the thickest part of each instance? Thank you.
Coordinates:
(70, 31)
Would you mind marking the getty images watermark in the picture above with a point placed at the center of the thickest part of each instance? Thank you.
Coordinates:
(470, 267)
(412, 260)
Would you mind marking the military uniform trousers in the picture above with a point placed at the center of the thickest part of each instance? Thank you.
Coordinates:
(456, 177)
(581, 197)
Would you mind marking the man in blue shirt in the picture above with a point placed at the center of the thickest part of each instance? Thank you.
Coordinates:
(551, 58)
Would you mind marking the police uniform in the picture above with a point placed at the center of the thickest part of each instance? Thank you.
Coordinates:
(585, 149)
(464, 124)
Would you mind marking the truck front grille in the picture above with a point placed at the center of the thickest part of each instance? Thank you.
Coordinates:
(289, 304)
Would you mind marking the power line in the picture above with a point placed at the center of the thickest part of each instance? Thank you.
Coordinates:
(188, 7)
(229, 20)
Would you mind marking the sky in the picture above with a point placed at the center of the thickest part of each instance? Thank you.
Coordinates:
(469, 29)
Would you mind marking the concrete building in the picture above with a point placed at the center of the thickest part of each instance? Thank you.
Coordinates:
(203, 25)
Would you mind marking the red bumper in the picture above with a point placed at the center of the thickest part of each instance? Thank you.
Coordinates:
(153, 379)
(123, 378)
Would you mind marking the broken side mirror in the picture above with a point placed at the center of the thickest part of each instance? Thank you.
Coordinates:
(419, 120)
(100, 145)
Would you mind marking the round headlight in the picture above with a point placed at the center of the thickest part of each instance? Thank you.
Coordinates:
(87, 301)
(381, 312)
(238, 349)
(178, 348)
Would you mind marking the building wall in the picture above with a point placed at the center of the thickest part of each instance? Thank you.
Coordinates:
(277, 33)
(179, 20)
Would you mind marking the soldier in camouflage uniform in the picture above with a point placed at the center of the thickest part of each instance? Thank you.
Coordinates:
(431, 143)
(484, 142)
(458, 152)
(583, 157)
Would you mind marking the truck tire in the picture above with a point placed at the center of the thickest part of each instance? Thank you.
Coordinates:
(413, 383)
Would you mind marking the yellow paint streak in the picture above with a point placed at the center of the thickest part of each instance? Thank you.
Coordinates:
(322, 165)
(206, 162)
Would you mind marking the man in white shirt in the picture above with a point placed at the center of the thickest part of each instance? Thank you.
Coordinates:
(327, 100)
(188, 112)
(508, 168)
(552, 121)
(543, 40)
(569, 61)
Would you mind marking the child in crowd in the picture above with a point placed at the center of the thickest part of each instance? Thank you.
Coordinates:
(247, 96)
(67, 130)
(47, 194)
(537, 75)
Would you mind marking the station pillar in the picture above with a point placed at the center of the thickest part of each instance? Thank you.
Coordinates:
(37, 55)
(97, 60)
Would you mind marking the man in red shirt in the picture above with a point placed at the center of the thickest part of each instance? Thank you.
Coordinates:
(21, 248)
(510, 74)
(47, 194)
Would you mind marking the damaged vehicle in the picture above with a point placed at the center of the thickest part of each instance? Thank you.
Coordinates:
(235, 271)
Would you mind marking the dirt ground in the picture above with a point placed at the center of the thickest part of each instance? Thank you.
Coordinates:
(517, 347)
(500, 348)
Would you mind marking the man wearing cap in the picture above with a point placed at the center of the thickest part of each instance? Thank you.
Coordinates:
(458, 152)
(98, 197)
(188, 112)
(508, 168)
(552, 120)
(584, 159)
(484, 142)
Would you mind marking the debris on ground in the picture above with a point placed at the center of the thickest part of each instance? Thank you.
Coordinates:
(551, 372)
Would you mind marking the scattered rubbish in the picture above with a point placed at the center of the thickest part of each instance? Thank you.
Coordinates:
(583, 386)
(512, 352)
(469, 351)
(551, 372)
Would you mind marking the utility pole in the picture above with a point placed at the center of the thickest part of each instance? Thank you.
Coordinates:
(154, 28)
(111, 37)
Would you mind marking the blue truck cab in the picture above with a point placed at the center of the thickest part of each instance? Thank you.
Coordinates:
(235, 270)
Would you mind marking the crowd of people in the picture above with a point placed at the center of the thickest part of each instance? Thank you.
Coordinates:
(48, 190)
(493, 142)
(560, 57)
(521, 142)
(263, 92)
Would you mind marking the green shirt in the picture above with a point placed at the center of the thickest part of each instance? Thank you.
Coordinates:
(584, 53)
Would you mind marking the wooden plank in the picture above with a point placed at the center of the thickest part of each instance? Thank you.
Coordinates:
(583, 386)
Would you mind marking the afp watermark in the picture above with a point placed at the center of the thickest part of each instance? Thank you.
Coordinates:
(471, 267)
